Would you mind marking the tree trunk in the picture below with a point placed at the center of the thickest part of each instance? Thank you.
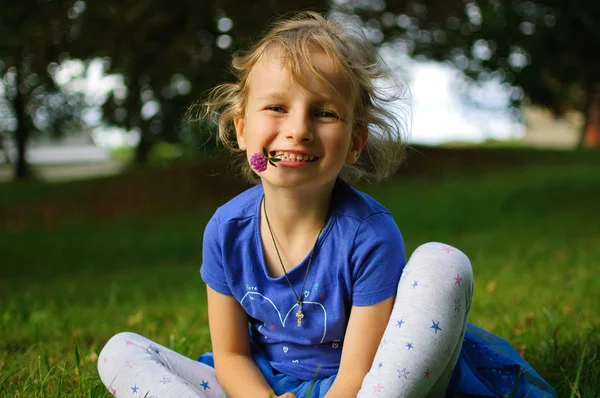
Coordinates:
(142, 151)
(6, 152)
(591, 133)
(22, 170)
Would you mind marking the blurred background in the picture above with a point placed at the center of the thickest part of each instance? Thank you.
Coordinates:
(105, 187)
(98, 84)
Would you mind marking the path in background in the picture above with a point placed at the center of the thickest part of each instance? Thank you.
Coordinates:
(67, 171)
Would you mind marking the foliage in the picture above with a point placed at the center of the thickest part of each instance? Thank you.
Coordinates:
(530, 228)
(32, 34)
(170, 55)
(545, 49)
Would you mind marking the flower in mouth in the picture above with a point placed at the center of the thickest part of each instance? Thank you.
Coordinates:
(259, 161)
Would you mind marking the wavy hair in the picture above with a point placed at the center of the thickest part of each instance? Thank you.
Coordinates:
(353, 58)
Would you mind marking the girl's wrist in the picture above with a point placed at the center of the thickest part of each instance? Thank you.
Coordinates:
(339, 390)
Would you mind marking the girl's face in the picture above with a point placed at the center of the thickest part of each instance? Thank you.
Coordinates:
(312, 134)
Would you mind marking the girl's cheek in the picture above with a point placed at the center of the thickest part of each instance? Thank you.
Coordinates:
(271, 125)
(262, 119)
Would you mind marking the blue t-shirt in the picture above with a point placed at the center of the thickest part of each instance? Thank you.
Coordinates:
(358, 261)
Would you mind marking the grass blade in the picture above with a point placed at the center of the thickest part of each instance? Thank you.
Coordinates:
(78, 365)
(10, 371)
(575, 386)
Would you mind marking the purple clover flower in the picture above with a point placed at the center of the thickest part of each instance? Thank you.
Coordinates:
(260, 161)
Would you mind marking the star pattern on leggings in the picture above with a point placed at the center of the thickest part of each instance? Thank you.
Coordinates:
(377, 387)
(457, 279)
(435, 326)
(204, 385)
(134, 388)
(403, 373)
(423, 375)
(457, 305)
(165, 380)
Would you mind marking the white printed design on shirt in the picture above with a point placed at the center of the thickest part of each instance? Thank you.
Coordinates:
(283, 320)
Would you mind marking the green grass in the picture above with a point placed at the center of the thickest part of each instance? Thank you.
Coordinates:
(70, 280)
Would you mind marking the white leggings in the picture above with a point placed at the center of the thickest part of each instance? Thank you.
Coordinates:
(416, 356)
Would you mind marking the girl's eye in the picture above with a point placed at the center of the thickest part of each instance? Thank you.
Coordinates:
(275, 108)
(327, 114)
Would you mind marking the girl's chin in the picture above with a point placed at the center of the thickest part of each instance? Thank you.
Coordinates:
(294, 180)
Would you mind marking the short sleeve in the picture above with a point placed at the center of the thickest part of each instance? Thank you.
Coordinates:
(378, 258)
(212, 271)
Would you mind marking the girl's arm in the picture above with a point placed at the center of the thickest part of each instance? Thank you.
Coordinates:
(236, 371)
(363, 335)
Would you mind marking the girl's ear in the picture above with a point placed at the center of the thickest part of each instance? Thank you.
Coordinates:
(240, 124)
(359, 140)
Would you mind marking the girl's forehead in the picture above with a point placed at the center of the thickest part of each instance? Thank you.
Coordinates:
(317, 73)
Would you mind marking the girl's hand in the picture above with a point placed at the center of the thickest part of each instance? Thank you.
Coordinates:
(287, 395)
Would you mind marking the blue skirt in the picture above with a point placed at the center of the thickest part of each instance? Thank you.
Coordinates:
(281, 383)
(488, 366)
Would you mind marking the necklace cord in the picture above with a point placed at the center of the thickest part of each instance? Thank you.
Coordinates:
(299, 297)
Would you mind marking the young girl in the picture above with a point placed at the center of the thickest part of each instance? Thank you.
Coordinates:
(309, 293)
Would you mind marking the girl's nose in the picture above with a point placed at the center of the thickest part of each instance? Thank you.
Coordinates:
(299, 129)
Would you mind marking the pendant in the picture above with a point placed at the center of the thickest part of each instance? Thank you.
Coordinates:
(299, 316)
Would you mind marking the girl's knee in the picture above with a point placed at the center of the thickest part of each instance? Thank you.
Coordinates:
(439, 254)
(122, 348)
(124, 338)
(119, 343)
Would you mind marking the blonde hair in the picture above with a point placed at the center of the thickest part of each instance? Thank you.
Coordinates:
(353, 58)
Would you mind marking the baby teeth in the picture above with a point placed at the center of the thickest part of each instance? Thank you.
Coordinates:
(295, 156)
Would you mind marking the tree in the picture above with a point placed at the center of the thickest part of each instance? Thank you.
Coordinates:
(546, 49)
(169, 53)
(31, 33)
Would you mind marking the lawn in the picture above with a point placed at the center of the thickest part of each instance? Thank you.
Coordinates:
(84, 260)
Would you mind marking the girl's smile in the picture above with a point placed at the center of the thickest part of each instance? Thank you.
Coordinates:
(294, 158)
(303, 125)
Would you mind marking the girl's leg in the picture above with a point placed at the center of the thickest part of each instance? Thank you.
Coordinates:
(422, 341)
(132, 364)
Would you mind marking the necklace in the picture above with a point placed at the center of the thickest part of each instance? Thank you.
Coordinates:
(299, 297)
